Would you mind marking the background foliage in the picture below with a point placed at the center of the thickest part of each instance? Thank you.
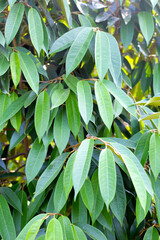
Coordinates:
(79, 119)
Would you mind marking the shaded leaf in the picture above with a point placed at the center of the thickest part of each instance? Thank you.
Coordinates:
(154, 153)
(87, 194)
(146, 25)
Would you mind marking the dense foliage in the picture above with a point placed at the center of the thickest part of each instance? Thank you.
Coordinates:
(79, 119)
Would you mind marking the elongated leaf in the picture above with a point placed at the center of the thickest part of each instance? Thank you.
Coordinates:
(79, 211)
(4, 64)
(66, 228)
(50, 173)
(3, 5)
(98, 201)
(78, 233)
(121, 97)
(61, 130)
(146, 25)
(59, 194)
(140, 212)
(104, 104)
(154, 153)
(16, 119)
(59, 96)
(35, 160)
(65, 40)
(127, 32)
(13, 108)
(105, 219)
(151, 234)
(33, 230)
(107, 176)
(11, 198)
(116, 63)
(11, 2)
(67, 178)
(93, 232)
(24, 231)
(73, 114)
(64, 5)
(155, 185)
(156, 74)
(71, 82)
(54, 230)
(35, 29)
(102, 54)
(15, 68)
(7, 228)
(29, 70)
(78, 49)
(154, 2)
(118, 205)
(85, 102)
(13, 22)
(82, 164)
(87, 194)
(42, 113)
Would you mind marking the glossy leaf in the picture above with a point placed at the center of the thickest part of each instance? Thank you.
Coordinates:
(13, 22)
(64, 5)
(35, 160)
(33, 230)
(59, 194)
(156, 86)
(154, 152)
(104, 104)
(59, 96)
(7, 227)
(93, 232)
(16, 119)
(71, 82)
(35, 29)
(151, 234)
(127, 32)
(154, 2)
(61, 130)
(29, 70)
(54, 230)
(66, 228)
(85, 103)
(102, 54)
(82, 164)
(140, 212)
(15, 68)
(107, 176)
(4, 64)
(78, 49)
(87, 194)
(79, 211)
(50, 173)
(42, 113)
(78, 233)
(146, 25)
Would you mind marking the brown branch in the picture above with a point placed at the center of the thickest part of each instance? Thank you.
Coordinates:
(12, 157)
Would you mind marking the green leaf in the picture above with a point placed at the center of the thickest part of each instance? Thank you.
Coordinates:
(33, 230)
(54, 230)
(102, 54)
(42, 113)
(85, 102)
(67, 178)
(59, 96)
(146, 24)
(140, 212)
(93, 232)
(61, 130)
(127, 32)
(15, 68)
(87, 194)
(156, 86)
(154, 2)
(50, 173)
(24, 231)
(98, 201)
(107, 176)
(64, 5)
(104, 104)
(73, 115)
(156, 185)
(35, 160)
(13, 108)
(59, 194)
(29, 70)
(121, 97)
(35, 29)
(151, 234)
(65, 40)
(79, 211)
(82, 164)
(66, 228)
(118, 205)
(105, 219)
(154, 153)
(11, 2)
(13, 22)
(3, 5)
(78, 233)
(116, 63)
(7, 228)
(11, 198)
(78, 49)
(16, 119)
(4, 64)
